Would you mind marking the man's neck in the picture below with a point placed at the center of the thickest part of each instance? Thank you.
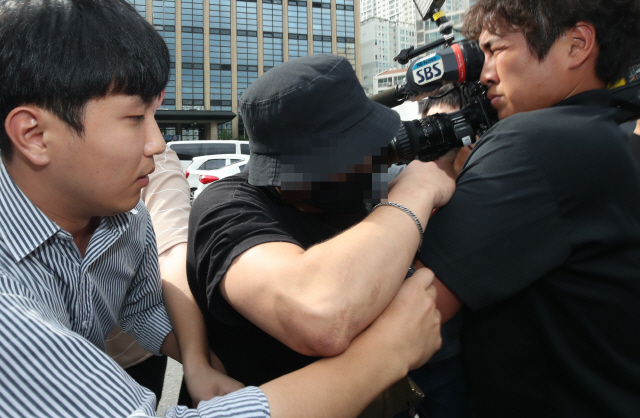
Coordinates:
(59, 209)
(297, 199)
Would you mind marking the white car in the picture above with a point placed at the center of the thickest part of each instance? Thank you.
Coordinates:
(188, 150)
(208, 163)
(208, 177)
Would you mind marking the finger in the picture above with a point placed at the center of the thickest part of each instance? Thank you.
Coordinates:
(425, 275)
(432, 291)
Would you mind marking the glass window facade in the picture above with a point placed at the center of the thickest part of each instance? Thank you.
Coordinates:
(247, 48)
(321, 27)
(324, 31)
(164, 20)
(298, 38)
(224, 130)
(192, 55)
(140, 6)
(167, 128)
(345, 30)
(193, 132)
(220, 54)
(272, 33)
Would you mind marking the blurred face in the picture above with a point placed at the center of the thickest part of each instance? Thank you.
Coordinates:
(103, 172)
(517, 81)
(340, 192)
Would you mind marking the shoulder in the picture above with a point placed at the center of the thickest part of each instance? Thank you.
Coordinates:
(560, 126)
(230, 193)
(564, 135)
(634, 143)
(168, 160)
(133, 227)
(140, 216)
(167, 183)
(17, 288)
(27, 276)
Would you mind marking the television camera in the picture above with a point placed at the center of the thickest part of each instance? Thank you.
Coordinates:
(461, 63)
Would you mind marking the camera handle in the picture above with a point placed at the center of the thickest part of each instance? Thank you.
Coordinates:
(445, 27)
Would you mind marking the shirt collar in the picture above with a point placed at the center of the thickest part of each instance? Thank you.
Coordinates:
(599, 98)
(23, 227)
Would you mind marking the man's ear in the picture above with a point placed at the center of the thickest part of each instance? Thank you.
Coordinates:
(25, 127)
(583, 43)
(161, 99)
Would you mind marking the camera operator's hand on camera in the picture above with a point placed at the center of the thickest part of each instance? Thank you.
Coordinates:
(410, 326)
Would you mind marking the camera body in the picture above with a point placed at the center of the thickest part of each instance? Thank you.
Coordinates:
(461, 63)
(433, 136)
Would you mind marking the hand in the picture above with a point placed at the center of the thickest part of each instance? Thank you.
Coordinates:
(216, 363)
(410, 326)
(206, 382)
(434, 179)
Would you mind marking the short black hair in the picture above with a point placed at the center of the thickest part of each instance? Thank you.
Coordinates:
(59, 54)
(443, 96)
(542, 22)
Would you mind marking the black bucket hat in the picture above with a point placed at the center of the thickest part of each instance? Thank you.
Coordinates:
(308, 119)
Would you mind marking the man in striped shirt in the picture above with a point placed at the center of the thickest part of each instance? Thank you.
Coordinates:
(81, 80)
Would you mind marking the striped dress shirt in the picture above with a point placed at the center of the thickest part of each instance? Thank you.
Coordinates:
(57, 307)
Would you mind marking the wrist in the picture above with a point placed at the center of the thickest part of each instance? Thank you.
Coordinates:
(420, 202)
(390, 364)
(194, 361)
(408, 212)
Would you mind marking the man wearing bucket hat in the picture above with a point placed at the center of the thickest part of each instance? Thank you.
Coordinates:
(283, 259)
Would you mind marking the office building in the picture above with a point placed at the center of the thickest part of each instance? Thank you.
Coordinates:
(455, 10)
(219, 47)
(388, 79)
(386, 27)
(394, 10)
(381, 41)
(383, 37)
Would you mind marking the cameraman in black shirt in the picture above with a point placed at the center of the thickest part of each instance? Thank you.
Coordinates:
(541, 240)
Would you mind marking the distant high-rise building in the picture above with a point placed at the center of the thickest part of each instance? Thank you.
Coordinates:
(381, 41)
(386, 27)
(394, 10)
(219, 47)
(455, 10)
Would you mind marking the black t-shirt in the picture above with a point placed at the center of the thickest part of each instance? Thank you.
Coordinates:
(228, 218)
(541, 241)
(634, 143)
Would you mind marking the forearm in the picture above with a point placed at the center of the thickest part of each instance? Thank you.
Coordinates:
(402, 338)
(317, 301)
(338, 386)
(188, 325)
(362, 269)
(358, 272)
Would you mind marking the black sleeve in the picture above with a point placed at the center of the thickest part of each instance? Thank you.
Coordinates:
(634, 143)
(226, 223)
(502, 229)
